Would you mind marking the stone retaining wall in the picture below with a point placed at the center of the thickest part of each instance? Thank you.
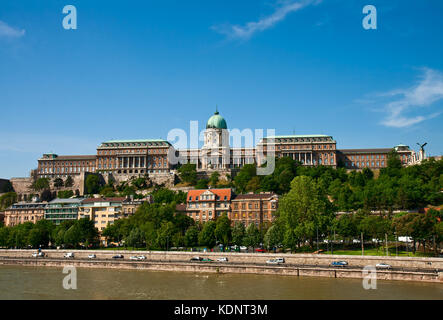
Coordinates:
(299, 259)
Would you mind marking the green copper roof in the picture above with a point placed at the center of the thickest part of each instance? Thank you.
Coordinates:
(216, 122)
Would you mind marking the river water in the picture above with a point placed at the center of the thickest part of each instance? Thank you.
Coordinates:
(47, 283)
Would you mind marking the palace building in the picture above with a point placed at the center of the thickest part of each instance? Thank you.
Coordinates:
(154, 157)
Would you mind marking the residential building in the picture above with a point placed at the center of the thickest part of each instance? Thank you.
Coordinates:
(208, 204)
(257, 208)
(59, 210)
(102, 211)
(22, 212)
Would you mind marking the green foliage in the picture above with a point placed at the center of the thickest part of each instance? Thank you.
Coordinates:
(188, 173)
(165, 195)
(252, 236)
(65, 194)
(191, 237)
(304, 210)
(223, 230)
(7, 200)
(46, 195)
(92, 184)
(274, 236)
(69, 182)
(238, 233)
(41, 184)
(202, 184)
(58, 183)
(207, 235)
(213, 181)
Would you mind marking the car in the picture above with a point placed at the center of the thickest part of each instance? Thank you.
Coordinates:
(141, 258)
(118, 256)
(133, 258)
(223, 259)
(383, 266)
(69, 255)
(92, 256)
(339, 263)
(38, 255)
(207, 260)
(260, 250)
(272, 261)
(280, 260)
(196, 259)
(243, 248)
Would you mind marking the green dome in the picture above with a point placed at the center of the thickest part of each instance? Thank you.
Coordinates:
(216, 122)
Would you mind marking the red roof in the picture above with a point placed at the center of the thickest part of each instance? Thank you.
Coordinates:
(219, 192)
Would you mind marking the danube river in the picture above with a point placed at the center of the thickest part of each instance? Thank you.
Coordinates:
(47, 283)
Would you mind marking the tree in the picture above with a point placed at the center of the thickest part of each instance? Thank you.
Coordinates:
(252, 236)
(65, 194)
(191, 236)
(136, 238)
(92, 184)
(69, 182)
(213, 181)
(273, 237)
(238, 233)
(223, 229)
(253, 184)
(166, 234)
(46, 195)
(7, 200)
(207, 235)
(58, 183)
(41, 184)
(188, 173)
(246, 173)
(202, 184)
(304, 210)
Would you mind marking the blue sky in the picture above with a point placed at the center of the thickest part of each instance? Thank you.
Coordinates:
(136, 69)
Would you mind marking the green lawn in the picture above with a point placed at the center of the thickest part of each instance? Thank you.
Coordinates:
(380, 252)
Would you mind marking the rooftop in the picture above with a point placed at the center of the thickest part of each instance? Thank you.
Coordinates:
(113, 199)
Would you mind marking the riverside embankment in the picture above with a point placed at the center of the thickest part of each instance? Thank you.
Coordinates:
(403, 268)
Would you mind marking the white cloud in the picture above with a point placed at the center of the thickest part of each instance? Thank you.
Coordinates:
(10, 32)
(246, 31)
(427, 91)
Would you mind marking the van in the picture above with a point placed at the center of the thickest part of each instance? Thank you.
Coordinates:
(69, 255)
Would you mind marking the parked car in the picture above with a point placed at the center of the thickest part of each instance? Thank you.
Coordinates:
(223, 259)
(243, 248)
(339, 263)
(196, 259)
(118, 256)
(133, 258)
(207, 260)
(69, 255)
(280, 260)
(260, 250)
(92, 256)
(383, 266)
(38, 254)
(141, 258)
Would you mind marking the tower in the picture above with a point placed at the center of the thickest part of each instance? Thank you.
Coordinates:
(215, 153)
